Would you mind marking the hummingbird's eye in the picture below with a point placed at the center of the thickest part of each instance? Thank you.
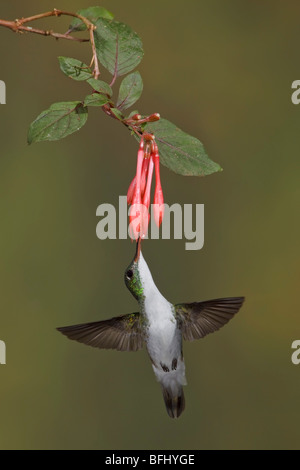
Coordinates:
(129, 274)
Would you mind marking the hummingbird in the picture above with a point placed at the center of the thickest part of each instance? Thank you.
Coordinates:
(161, 326)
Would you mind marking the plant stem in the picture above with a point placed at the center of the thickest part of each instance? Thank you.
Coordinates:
(12, 25)
(18, 26)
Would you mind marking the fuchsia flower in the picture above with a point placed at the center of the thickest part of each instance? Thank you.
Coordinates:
(146, 198)
(136, 199)
(131, 189)
(158, 194)
(139, 192)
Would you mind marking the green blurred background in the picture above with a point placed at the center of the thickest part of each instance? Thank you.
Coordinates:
(222, 71)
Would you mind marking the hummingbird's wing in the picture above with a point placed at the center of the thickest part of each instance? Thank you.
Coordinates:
(123, 333)
(198, 319)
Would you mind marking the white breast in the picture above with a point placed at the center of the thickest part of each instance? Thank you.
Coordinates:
(164, 338)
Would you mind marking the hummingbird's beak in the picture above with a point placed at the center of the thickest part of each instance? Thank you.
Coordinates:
(138, 250)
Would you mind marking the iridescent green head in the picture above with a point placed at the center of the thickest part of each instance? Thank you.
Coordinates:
(132, 276)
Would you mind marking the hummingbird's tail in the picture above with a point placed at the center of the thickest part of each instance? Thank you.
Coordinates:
(175, 403)
(171, 381)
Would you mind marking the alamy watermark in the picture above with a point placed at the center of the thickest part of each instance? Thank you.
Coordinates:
(296, 94)
(2, 92)
(2, 352)
(188, 223)
(296, 354)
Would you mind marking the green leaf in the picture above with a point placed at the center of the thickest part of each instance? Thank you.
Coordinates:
(181, 152)
(74, 68)
(117, 113)
(130, 90)
(119, 48)
(95, 100)
(93, 14)
(60, 120)
(100, 86)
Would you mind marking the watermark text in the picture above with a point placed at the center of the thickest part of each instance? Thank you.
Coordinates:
(2, 92)
(296, 354)
(2, 352)
(188, 223)
(296, 94)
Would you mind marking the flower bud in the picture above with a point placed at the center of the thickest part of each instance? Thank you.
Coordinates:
(154, 117)
(148, 136)
(136, 117)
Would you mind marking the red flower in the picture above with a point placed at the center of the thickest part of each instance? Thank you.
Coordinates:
(136, 201)
(146, 198)
(159, 207)
(139, 192)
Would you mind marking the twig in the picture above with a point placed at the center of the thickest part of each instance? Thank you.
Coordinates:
(18, 26)
(95, 58)
(28, 29)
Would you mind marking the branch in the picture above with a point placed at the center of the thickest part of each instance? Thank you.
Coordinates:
(12, 25)
(18, 27)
